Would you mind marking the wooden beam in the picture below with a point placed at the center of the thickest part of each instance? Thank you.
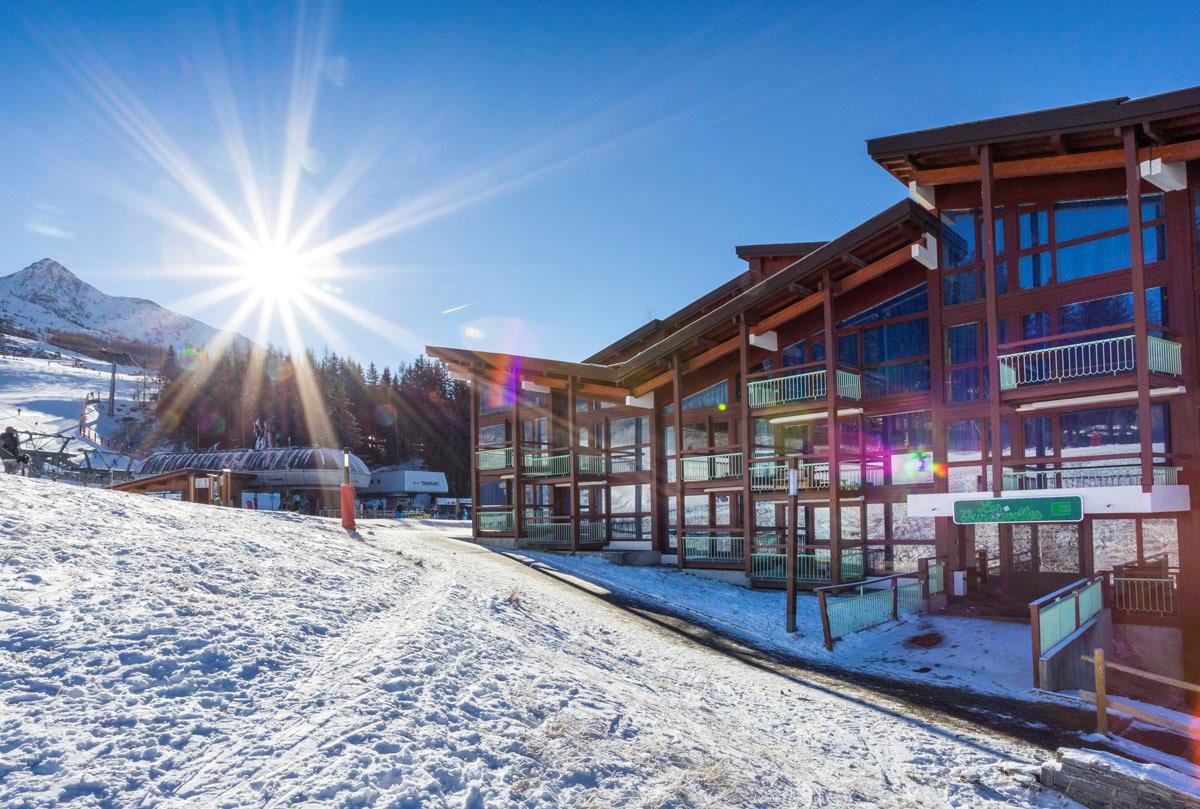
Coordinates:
(596, 389)
(711, 355)
(653, 383)
(876, 268)
(1060, 164)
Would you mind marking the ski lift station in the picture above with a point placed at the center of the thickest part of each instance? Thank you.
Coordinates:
(284, 478)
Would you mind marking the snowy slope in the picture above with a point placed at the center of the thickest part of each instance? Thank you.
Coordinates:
(45, 395)
(162, 654)
(46, 296)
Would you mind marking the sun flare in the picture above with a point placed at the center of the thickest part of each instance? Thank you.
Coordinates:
(275, 274)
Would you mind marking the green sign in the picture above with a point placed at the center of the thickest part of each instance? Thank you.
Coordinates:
(1068, 508)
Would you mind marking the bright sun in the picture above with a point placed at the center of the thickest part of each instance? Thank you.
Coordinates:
(274, 273)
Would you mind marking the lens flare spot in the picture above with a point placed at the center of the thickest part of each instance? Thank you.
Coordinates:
(473, 333)
(385, 416)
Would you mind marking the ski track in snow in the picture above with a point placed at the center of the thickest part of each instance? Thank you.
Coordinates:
(163, 654)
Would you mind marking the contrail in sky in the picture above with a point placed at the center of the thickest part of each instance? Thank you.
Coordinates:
(454, 309)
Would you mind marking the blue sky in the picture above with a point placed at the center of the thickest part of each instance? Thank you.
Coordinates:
(562, 172)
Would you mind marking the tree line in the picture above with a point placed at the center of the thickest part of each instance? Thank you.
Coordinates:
(242, 398)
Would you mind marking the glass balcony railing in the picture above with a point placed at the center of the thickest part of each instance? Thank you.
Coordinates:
(494, 458)
(495, 521)
(591, 463)
(1110, 356)
(712, 467)
(803, 387)
(548, 532)
(1076, 477)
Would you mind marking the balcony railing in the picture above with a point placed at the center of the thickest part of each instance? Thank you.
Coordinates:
(494, 458)
(803, 387)
(548, 532)
(545, 465)
(495, 521)
(593, 531)
(1077, 477)
(716, 547)
(772, 476)
(712, 467)
(814, 565)
(1154, 595)
(1109, 356)
(592, 463)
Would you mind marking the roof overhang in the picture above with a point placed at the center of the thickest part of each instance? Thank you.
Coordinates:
(1073, 131)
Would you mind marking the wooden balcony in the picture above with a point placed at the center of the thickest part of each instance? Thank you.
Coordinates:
(814, 563)
(806, 384)
(1104, 363)
(498, 521)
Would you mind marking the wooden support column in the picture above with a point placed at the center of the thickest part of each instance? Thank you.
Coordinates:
(790, 548)
(518, 481)
(474, 445)
(1141, 343)
(657, 537)
(987, 182)
(835, 438)
(573, 459)
(747, 441)
(677, 382)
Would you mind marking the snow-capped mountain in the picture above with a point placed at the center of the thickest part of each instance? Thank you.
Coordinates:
(46, 296)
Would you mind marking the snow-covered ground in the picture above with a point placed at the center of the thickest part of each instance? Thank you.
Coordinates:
(988, 656)
(46, 395)
(164, 654)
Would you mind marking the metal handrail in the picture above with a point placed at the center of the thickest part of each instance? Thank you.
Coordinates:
(715, 546)
(494, 458)
(546, 465)
(766, 476)
(712, 467)
(1105, 357)
(1086, 476)
(802, 387)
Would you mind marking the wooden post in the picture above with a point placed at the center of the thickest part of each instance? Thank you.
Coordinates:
(573, 459)
(518, 482)
(896, 598)
(473, 443)
(834, 434)
(1035, 633)
(677, 382)
(1101, 698)
(1141, 342)
(747, 443)
(993, 315)
(824, 606)
(789, 562)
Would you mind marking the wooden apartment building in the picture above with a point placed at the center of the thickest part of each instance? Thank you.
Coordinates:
(1011, 383)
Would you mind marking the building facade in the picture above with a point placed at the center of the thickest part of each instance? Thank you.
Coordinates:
(1016, 337)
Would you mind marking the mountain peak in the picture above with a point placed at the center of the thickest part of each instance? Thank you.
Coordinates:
(48, 268)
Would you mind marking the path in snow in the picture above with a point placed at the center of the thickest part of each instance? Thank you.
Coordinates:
(159, 653)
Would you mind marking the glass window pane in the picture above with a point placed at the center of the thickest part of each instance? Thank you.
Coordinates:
(1035, 228)
(896, 341)
(1114, 542)
(1160, 536)
(795, 354)
(712, 396)
(962, 343)
(905, 527)
(965, 441)
(848, 349)
(958, 238)
(1085, 217)
(910, 302)
(1034, 271)
(959, 288)
(889, 380)
(964, 385)
(1038, 438)
(1093, 258)
(695, 436)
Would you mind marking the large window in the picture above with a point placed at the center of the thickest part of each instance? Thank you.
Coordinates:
(712, 396)
(902, 444)
(894, 344)
(1110, 431)
(1081, 238)
(966, 362)
(962, 256)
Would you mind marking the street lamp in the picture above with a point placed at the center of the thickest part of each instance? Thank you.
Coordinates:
(347, 492)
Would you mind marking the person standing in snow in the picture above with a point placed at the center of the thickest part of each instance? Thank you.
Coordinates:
(10, 449)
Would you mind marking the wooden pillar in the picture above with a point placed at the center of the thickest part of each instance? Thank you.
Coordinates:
(518, 481)
(835, 438)
(573, 459)
(790, 548)
(1133, 191)
(473, 445)
(677, 382)
(993, 316)
(657, 538)
(747, 441)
